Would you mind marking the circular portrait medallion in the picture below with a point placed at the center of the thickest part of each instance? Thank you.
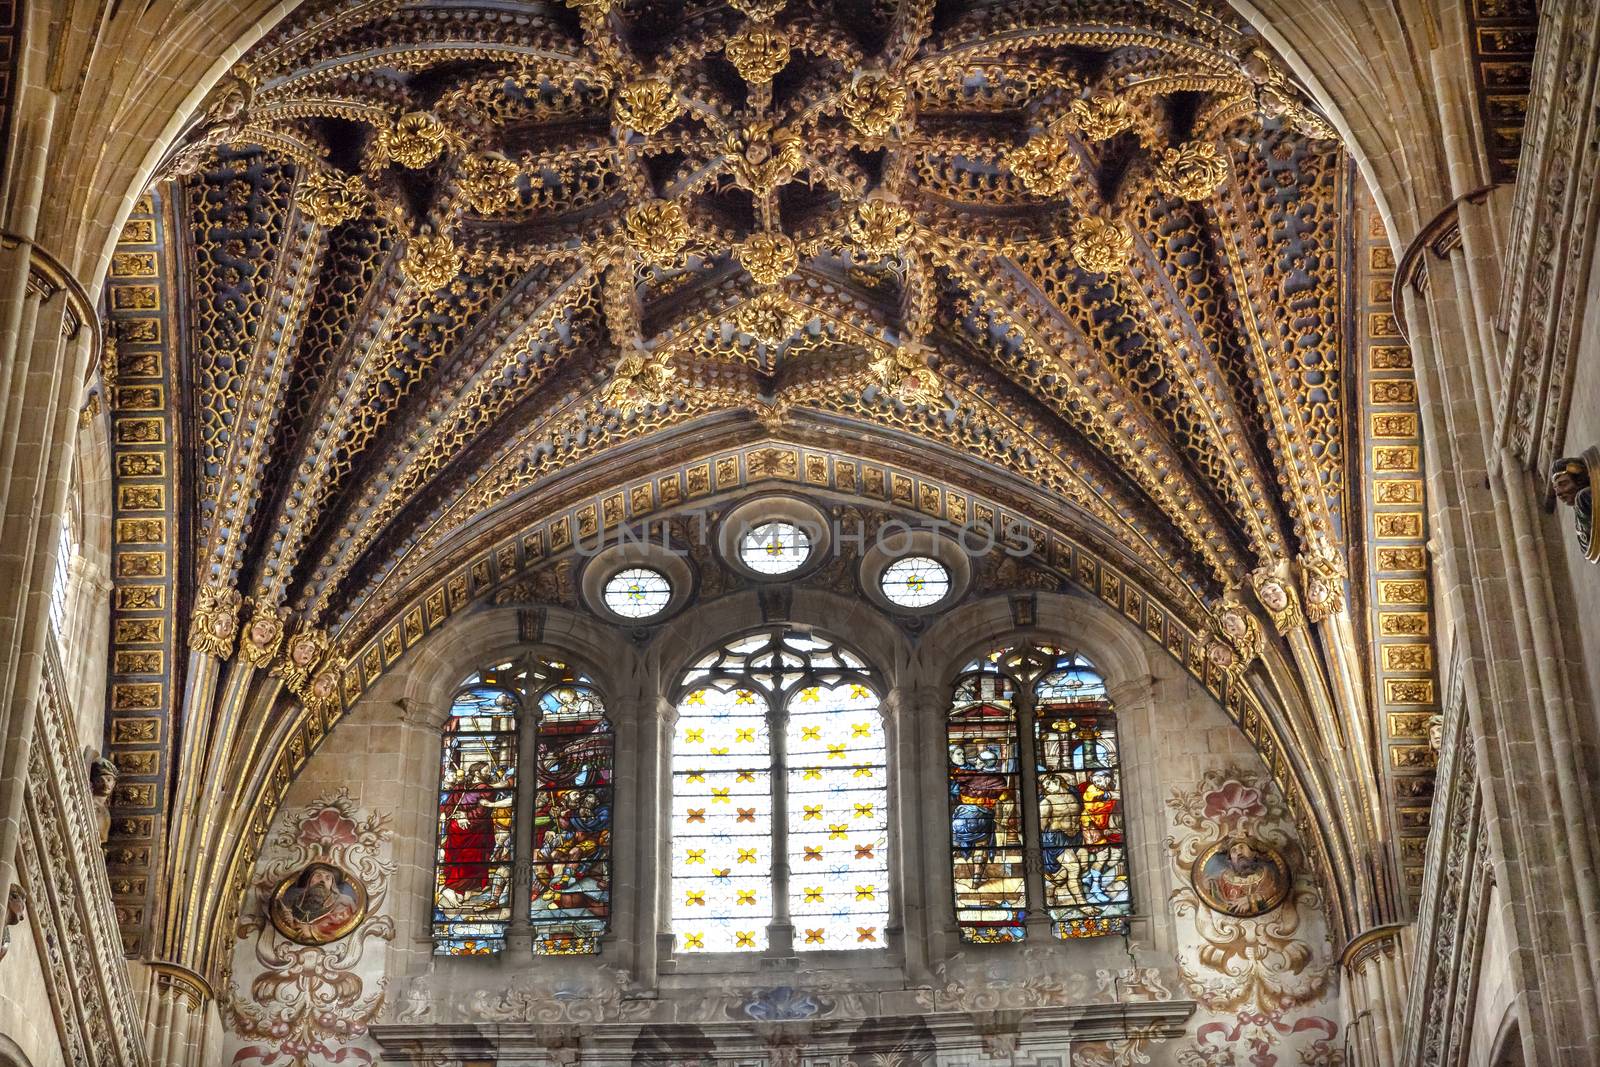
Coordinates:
(317, 904)
(1242, 877)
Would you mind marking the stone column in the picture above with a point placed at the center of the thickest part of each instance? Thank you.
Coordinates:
(182, 1027)
(1373, 994)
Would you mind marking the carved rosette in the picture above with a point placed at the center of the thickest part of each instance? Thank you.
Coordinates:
(263, 634)
(414, 141)
(658, 232)
(647, 106)
(215, 622)
(301, 655)
(431, 261)
(1192, 171)
(758, 53)
(331, 198)
(488, 182)
(640, 381)
(873, 103)
(1101, 117)
(769, 318)
(881, 227)
(769, 257)
(1101, 246)
(1045, 165)
(1322, 577)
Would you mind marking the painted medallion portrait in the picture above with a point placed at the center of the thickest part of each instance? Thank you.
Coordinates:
(1242, 877)
(318, 904)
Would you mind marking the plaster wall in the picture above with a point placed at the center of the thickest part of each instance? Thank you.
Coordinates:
(1190, 778)
(26, 1014)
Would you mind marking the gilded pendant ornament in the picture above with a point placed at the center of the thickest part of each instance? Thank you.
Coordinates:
(904, 371)
(1101, 246)
(214, 622)
(769, 257)
(331, 198)
(758, 53)
(1045, 165)
(646, 106)
(658, 232)
(769, 318)
(758, 10)
(488, 182)
(1192, 171)
(414, 141)
(1101, 117)
(640, 381)
(881, 227)
(431, 261)
(762, 159)
(874, 103)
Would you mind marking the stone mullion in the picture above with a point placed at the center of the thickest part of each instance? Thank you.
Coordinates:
(1536, 820)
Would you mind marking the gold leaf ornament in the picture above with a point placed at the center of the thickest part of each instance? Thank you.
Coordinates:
(414, 141)
(488, 182)
(1100, 246)
(1192, 171)
(758, 10)
(214, 621)
(1045, 165)
(769, 257)
(431, 261)
(904, 371)
(658, 231)
(769, 318)
(763, 159)
(331, 198)
(639, 381)
(1101, 117)
(880, 227)
(648, 105)
(757, 53)
(873, 103)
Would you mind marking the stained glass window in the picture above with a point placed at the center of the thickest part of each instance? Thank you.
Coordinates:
(570, 883)
(986, 809)
(478, 788)
(638, 592)
(775, 548)
(1038, 707)
(779, 750)
(915, 582)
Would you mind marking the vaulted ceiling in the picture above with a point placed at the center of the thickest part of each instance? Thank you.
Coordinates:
(437, 251)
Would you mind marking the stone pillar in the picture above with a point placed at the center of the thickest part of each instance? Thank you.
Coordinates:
(1373, 994)
(182, 1027)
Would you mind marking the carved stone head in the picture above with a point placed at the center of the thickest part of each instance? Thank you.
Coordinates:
(1569, 477)
(103, 776)
(16, 905)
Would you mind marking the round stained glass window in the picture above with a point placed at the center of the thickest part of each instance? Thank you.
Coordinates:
(775, 548)
(915, 582)
(638, 592)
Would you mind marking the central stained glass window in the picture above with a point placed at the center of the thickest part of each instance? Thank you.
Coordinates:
(779, 750)
(775, 548)
(915, 582)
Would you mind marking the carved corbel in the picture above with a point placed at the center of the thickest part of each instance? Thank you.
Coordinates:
(215, 623)
(1572, 481)
(1277, 596)
(1322, 579)
(1237, 628)
(322, 695)
(263, 635)
(301, 655)
(16, 911)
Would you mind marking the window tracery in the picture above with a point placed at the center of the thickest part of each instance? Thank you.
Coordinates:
(779, 749)
(1040, 708)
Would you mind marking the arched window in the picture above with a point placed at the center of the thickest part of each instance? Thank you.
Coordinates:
(779, 750)
(568, 849)
(1041, 710)
(61, 580)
